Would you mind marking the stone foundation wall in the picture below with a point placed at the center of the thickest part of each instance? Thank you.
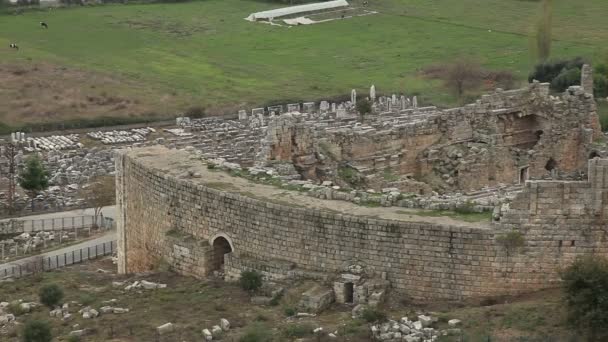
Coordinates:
(423, 260)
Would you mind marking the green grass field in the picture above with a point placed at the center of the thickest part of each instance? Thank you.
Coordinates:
(204, 53)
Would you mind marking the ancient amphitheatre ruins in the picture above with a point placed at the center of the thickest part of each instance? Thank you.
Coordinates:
(251, 194)
(206, 208)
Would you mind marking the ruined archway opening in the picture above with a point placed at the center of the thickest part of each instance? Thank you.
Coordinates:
(349, 293)
(594, 155)
(551, 165)
(221, 247)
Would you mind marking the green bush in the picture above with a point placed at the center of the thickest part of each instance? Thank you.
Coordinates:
(51, 295)
(297, 330)
(548, 71)
(364, 107)
(257, 333)
(566, 78)
(290, 312)
(372, 315)
(37, 331)
(87, 299)
(350, 176)
(600, 85)
(250, 280)
(602, 111)
(585, 286)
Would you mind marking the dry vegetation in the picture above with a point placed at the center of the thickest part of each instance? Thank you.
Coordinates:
(45, 93)
(194, 304)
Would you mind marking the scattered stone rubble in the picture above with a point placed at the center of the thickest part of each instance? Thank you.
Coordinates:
(412, 331)
(216, 331)
(122, 137)
(139, 284)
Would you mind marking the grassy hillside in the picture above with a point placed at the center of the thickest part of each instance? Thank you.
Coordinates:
(170, 56)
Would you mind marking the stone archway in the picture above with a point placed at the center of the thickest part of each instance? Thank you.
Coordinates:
(221, 245)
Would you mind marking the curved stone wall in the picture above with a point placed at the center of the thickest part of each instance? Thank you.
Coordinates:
(166, 215)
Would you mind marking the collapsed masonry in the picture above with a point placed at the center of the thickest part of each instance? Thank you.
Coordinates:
(506, 137)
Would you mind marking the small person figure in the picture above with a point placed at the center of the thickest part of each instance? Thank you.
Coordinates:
(14, 46)
(44, 25)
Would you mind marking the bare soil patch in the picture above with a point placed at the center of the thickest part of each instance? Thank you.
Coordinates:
(43, 93)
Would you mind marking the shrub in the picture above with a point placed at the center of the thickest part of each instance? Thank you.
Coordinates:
(350, 175)
(547, 71)
(290, 312)
(372, 315)
(585, 288)
(87, 299)
(195, 112)
(297, 330)
(250, 280)
(51, 295)
(37, 331)
(364, 107)
(566, 78)
(257, 333)
(600, 85)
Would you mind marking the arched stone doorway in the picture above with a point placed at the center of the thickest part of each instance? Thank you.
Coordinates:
(221, 246)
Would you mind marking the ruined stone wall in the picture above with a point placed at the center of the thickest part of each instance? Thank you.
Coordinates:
(423, 260)
(482, 144)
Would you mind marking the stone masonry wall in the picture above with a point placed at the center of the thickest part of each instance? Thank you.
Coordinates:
(423, 260)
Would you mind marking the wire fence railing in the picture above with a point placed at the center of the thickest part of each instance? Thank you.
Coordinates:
(38, 264)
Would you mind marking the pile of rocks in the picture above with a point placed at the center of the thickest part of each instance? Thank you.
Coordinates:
(53, 143)
(216, 331)
(412, 331)
(122, 137)
(88, 312)
(62, 312)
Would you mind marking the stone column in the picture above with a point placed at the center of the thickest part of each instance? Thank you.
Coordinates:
(587, 79)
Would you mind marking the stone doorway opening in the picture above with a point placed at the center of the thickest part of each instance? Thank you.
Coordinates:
(523, 175)
(349, 293)
(221, 247)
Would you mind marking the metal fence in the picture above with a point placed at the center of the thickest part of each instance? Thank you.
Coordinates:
(47, 263)
(53, 224)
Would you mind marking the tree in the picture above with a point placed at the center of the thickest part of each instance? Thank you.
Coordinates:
(543, 31)
(51, 295)
(37, 331)
(99, 193)
(34, 177)
(585, 286)
(463, 74)
(364, 107)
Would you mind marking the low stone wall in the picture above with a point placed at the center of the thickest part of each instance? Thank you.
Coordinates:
(425, 261)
